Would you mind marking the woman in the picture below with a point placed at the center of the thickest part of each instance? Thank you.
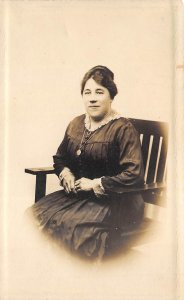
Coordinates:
(98, 159)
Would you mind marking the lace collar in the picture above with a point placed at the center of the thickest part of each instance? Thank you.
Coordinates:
(112, 116)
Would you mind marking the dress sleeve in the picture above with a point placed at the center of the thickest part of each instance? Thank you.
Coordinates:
(131, 171)
(61, 158)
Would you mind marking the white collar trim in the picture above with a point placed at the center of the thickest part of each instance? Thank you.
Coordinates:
(112, 116)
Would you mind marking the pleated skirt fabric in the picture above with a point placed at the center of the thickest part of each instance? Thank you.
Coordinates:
(86, 225)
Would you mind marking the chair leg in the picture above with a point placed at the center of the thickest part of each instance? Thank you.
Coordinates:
(40, 186)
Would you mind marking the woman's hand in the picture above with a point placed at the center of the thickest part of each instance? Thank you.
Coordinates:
(67, 180)
(84, 184)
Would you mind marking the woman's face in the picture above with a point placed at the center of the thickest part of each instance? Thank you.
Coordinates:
(97, 100)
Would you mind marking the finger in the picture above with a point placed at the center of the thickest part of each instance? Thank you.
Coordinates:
(78, 187)
(65, 187)
(72, 185)
(68, 186)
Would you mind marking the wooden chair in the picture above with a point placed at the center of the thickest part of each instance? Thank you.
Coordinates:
(154, 141)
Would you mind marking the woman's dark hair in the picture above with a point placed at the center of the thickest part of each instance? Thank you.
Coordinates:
(103, 76)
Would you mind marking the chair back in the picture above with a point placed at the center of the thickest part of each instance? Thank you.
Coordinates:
(154, 143)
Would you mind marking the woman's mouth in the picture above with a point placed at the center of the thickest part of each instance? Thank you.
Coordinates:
(93, 106)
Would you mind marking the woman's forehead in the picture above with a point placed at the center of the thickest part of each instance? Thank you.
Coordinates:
(92, 84)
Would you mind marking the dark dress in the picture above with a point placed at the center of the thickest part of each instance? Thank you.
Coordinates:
(85, 223)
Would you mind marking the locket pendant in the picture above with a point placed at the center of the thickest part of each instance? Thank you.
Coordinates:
(78, 152)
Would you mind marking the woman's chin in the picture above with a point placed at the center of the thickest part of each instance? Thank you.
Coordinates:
(96, 116)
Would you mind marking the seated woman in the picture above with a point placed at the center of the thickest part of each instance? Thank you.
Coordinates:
(98, 159)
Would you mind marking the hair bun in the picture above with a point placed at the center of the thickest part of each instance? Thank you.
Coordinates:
(105, 69)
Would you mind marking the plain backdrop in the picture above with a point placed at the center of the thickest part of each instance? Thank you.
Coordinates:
(49, 46)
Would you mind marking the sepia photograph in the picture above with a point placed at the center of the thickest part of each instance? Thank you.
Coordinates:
(90, 164)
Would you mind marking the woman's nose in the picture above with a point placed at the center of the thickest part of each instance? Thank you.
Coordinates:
(92, 101)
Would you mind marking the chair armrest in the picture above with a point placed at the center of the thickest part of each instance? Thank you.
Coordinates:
(41, 176)
(152, 193)
(39, 171)
(152, 187)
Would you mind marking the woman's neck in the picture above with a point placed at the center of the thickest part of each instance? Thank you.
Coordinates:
(95, 122)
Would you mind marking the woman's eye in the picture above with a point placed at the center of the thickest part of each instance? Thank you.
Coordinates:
(99, 93)
(86, 93)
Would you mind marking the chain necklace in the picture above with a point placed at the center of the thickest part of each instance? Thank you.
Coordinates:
(85, 137)
(87, 133)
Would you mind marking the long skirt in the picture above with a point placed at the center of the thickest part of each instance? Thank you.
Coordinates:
(85, 224)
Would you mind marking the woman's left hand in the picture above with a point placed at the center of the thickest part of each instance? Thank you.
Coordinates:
(84, 184)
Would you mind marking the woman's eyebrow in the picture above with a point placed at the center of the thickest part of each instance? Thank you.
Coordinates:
(99, 90)
(87, 90)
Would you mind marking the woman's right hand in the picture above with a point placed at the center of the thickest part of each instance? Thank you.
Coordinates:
(67, 180)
